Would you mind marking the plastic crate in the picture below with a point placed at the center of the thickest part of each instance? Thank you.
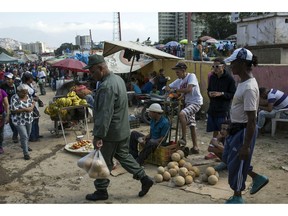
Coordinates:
(134, 123)
(162, 155)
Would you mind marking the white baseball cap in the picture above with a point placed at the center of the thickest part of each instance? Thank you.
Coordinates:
(155, 107)
(9, 75)
(240, 53)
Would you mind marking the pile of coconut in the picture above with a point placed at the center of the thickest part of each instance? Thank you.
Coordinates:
(181, 172)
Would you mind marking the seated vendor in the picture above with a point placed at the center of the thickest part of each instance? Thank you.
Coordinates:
(159, 128)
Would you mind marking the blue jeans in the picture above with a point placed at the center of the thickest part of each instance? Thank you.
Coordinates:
(35, 129)
(24, 132)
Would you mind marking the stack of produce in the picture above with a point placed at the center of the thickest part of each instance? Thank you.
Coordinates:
(182, 172)
(56, 106)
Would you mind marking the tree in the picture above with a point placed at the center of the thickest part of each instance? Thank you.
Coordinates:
(65, 47)
(218, 25)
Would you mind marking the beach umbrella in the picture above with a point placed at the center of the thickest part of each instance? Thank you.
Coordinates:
(205, 38)
(172, 44)
(184, 41)
(212, 41)
(71, 64)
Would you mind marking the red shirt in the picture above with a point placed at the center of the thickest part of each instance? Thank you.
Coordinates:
(2, 75)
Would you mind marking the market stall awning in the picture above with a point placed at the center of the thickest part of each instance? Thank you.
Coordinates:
(4, 58)
(111, 47)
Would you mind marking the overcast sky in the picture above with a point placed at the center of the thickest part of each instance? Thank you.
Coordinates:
(58, 21)
(57, 28)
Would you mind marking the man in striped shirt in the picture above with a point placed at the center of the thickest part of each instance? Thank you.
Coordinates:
(273, 100)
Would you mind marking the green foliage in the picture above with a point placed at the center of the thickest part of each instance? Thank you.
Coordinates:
(218, 25)
(8, 52)
(64, 46)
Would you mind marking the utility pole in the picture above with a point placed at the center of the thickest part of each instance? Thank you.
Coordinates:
(189, 46)
(116, 26)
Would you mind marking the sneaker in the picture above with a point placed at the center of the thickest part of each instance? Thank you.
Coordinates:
(1, 150)
(26, 157)
(210, 156)
(182, 142)
(221, 166)
(146, 185)
(194, 151)
(235, 200)
(258, 182)
(98, 195)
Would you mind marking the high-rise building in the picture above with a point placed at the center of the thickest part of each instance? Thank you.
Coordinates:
(83, 41)
(37, 47)
(175, 25)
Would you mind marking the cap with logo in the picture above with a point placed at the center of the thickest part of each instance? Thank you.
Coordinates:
(94, 60)
(180, 65)
(240, 53)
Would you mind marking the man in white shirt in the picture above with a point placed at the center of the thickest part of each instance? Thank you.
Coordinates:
(187, 85)
(273, 100)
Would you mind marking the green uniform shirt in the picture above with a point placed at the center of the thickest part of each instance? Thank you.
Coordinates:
(111, 109)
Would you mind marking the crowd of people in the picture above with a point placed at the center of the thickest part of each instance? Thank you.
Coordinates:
(232, 116)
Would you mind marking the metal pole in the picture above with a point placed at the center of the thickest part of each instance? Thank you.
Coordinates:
(189, 47)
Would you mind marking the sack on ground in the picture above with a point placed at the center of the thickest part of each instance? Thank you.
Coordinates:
(99, 169)
(86, 161)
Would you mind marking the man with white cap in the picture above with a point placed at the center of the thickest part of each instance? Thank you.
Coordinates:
(159, 128)
(240, 143)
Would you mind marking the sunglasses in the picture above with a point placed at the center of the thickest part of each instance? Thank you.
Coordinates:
(217, 66)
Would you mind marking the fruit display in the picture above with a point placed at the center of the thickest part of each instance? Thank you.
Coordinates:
(55, 107)
(181, 172)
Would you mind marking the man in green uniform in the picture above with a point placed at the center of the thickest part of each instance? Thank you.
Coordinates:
(111, 126)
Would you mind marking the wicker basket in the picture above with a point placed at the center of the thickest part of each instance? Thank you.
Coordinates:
(162, 155)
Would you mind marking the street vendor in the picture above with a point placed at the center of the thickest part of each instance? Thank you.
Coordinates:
(83, 92)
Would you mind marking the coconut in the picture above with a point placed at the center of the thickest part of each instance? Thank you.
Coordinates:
(160, 170)
(158, 178)
(173, 172)
(177, 168)
(188, 179)
(212, 179)
(181, 153)
(210, 171)
(183, 171)
(181, 162)
(179, 181)
(171, 164)
(196, 171)
(191, 173)
(217, 174)
(188, 165)
(166, 176)
(175, 157)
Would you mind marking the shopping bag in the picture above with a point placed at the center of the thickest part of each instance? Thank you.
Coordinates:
(99, 169)
(86, 161)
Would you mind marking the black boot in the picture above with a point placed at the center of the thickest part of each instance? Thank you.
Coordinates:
(146, 185)
(98, 195)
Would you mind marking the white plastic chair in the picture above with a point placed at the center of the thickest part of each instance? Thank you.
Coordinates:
(278, 119)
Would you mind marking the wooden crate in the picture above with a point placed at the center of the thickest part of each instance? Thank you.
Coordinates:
(162, 155)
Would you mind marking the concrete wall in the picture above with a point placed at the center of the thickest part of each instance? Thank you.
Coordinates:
(271, 76)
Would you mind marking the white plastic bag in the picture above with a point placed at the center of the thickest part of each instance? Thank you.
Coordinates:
(86, 161)
(98, 169)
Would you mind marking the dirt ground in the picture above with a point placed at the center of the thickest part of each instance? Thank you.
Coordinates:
(52, 176)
